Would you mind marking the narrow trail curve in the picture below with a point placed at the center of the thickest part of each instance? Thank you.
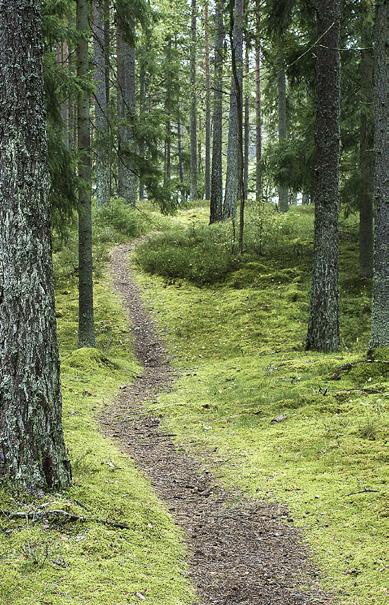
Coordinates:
(241, 553)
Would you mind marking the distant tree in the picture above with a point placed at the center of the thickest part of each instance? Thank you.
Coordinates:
(233, 190)
(193, 107)
(258, 104)
(283, 202)
(101, 74)
(86, 330)
(32, 450)
(380, 307)
(323, 328)
(217, 141)
(207, 104)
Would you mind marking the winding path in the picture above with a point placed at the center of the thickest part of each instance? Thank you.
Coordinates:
(241, 552)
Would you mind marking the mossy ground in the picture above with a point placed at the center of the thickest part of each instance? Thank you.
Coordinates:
(90, 563)
(239, 346)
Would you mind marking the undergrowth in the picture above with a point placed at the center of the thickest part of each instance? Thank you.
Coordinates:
(87, 562)
(305, 429)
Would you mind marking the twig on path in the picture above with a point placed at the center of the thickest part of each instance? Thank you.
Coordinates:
(37, 516)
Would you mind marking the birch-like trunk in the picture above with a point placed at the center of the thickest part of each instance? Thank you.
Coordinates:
(380, 307)
(32, 450)
(323, 328)
(216, 210)
(233, 185)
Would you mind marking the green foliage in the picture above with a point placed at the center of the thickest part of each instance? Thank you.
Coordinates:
(118, 222)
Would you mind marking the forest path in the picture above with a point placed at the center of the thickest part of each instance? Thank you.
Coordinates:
(241, 552)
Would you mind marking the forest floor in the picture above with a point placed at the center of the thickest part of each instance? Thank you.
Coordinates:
(241, 551)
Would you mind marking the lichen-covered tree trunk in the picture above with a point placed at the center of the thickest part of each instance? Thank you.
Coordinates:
(193, 105)
(86, 331)
(258, 104)
(32, 449)
(127, 177)
(323, 329)
(246, 124)
(380, 306)
(207, 106)
(216, 209)
(282, 133)
(233, 185)
(101, 72)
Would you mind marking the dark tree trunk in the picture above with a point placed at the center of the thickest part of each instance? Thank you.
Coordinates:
(246, 127)
(258, 106)
(233, 190)
(282, 133)
(86, 332)
(216, 210)
(180, 156)
(63, 60)
(168, 108)
(207, 107)
(380, 307)
(366, 162)
(32, 450)
(323, 329)
(142, 114)
(127, 178)
(101, 58)
(193, 106)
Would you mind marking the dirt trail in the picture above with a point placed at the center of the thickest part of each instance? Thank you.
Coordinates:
(241, 552)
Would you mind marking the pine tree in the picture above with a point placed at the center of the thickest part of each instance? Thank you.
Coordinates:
(323, 329)
(207, 106)
(380, 306)
(32, 449)
(216, 212)
(258, 104)
(193, 108)
(283, 203)
(86, 331)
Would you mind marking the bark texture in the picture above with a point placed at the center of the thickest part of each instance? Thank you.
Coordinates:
(380, 307)
(233, 184)
(246, 124)
(127, 178)
(86, 332)
(282, 133)
(207, 106)
(216, 213)
(101, 65)
(258, 104)
(193, 106)
(323, 329)
(32, 449)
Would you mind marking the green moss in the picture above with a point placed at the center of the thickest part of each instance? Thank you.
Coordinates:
(91, 563)
(240, 351)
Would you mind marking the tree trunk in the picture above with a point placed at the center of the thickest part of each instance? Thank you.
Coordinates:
(246, 126)
(63, 61)
(32, 449)
(282, 133)
(142, 115)
(216, 210)
(323, 329)
(127, 178)
(258, 106)
(193, 107)
(207, 107)
(180, 156)
(86, 332)
(380, 306)
(103, 151)
(168, 108)
(366, 162)
(233, 186)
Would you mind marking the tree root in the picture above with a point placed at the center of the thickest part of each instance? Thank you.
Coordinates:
(38, 516)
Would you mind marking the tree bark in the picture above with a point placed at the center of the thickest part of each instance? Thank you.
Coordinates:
(323, 329)
(233, 186)
(142, 115)
(246, 126)
(258, 105)
(380, 306)
(101, 58)
(86, 331)
(193, 107)
(207, 106)
(366, 161)
(216, 206)
(63, 61)
(127, 178)
(32, 449)
(282, 133)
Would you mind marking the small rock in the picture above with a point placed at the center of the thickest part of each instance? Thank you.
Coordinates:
(279, 418)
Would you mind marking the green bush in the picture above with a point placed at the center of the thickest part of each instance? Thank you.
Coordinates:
(117, 221)
(202, 255)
